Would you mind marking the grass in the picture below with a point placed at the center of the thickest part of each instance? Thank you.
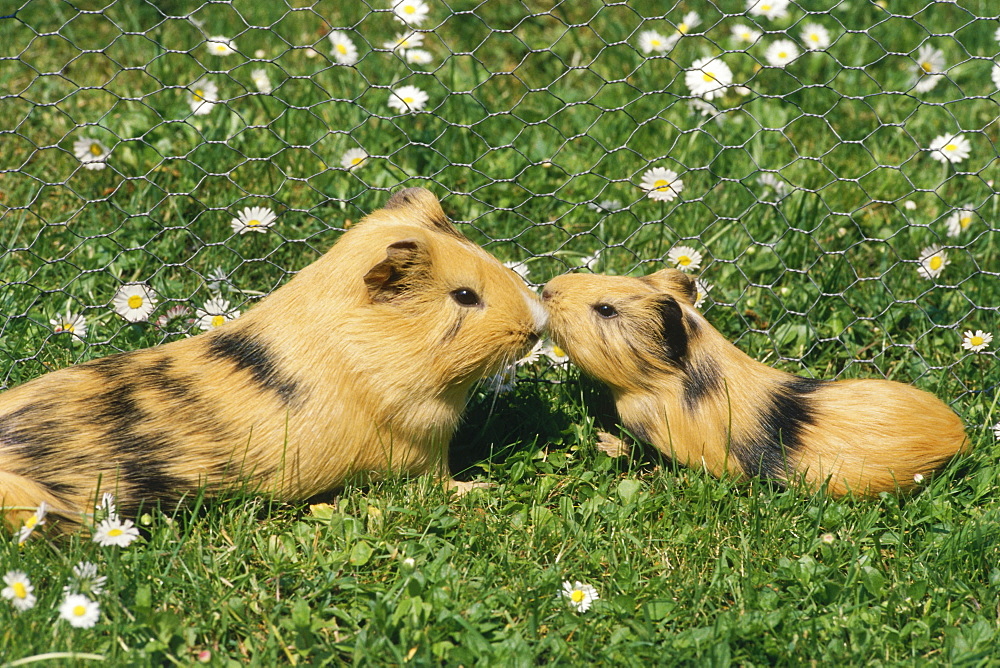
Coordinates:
(532, 115)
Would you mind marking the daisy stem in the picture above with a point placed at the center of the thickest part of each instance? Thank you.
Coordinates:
(49, 656)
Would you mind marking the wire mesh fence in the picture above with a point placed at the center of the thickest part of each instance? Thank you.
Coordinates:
(826, 168)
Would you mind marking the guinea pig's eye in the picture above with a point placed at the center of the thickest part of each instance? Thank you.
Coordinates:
(465, 297)
(606, 310)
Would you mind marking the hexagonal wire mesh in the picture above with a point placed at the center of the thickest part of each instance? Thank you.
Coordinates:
(827, 167)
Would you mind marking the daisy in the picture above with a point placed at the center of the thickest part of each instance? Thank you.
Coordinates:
(662, 184)
(204, 94)
(772, 9)
(85, 580)
(605, 206)
(532, 355)
(503, 382)
(950, 148)
(221, 46)
(353, 158)
(684, 258)
(32, 523)
(708, 77)
(772, 182)
(134, 301)
(996, 76)
(781, 52)
(253, 219)
(690, 20)
(107, 505)
(407, 99)
(114, 531)
(405, 40)
(996, 427)
(590, 261)
(996, 35)
(91, 152)
(746, 34)
(214, 313)
(918, 478)
(344, 51)
(933, 260)
(977, 342)
(261, 81)
(960, 220)
(80, 611)
(74, 324)
(555, 353)
(578, 595)
(519, 268)
(702, 288)
(18, 591)
(216, 278)
(173, 314)
(418, 57)
(650, 41)
(411, 12)
(815, 37)
(706, 109)
(930, 68)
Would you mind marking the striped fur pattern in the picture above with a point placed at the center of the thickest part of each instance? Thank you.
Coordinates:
(360, 365)
(681, 386)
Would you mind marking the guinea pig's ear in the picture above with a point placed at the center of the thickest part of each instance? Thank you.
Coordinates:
(405, 262)
(674, 334)
(419, 206)
(675, 282)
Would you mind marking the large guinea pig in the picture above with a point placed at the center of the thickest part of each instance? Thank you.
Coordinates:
(681, 386)
(360, 365)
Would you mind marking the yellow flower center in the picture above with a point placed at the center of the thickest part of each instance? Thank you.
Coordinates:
(95, 149)
(661, 184)
(708, 77)
(409, 9)
(935, 262)
(408, 100)
(765, 7)
(682, 28)
(782, 54)
(976, 340)
(31, 521)
(577, 596)
(684, 260)
(20, 590)
(253, 223)
(356, 161)
(68, 327)
(951, 147)
(965, 221)
(218, 320)
(814, 37)
(135, 301)
(114, 533)
(558, 352)
(199, 95)
(79, 610)
(926, 66)
(654, 42)
(341, 49)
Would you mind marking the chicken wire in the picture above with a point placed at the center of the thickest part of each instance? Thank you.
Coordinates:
(136, 134)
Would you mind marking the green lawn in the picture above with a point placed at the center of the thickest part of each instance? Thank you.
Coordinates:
(532, 114)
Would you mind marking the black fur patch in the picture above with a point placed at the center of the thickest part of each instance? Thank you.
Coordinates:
(675, 338)
(36, 441)
(701, 379)
(250, 355)
(779, 434)
(407, 197)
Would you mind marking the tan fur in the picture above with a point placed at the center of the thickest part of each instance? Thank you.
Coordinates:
(711, 405)
(360, 365)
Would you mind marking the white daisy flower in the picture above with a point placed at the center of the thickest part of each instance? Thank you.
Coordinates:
(215, 312)
(418, 57)
(910, 205)
(253, 219)
(690, 20)
(107, 505)
(930, 68)
(815, 37)
(651, 41)
(134, 301)
(933, 260)
(532, 355)
(518, 267)
(204, 95)
(261, 80)
(19, 590)
(996, 35)
(555, 353)
(85, 580)
(781, 52)
(578, 595)
(80, 611)
(407, 99)
(996, 427)
(220, 46)
(173, 314)
(684, 258)
(959, 221)
(112, 530)
(746, 34)
(995, 74)
(950, 148)
(91, 152)
(590, 261)
(405, 40)
(662, 184)
(918, 478)
(605, 206)
(772, 9)
(706, 109)
(708, 77)
(772, 182)
(74, 324)
(216, 278)
(32, 523)
(702, 288)
(411, 12)
(344, 51)
(978, 341)
(353, 158)
(503, 382)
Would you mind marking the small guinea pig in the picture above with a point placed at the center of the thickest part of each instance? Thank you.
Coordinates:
(359, 366)
(680, 385)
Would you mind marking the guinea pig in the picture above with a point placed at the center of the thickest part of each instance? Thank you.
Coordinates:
(360, 365)
(681, 386)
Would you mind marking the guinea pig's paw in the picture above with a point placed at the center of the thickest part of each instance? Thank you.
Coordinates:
(460, 488)
(611, 445)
